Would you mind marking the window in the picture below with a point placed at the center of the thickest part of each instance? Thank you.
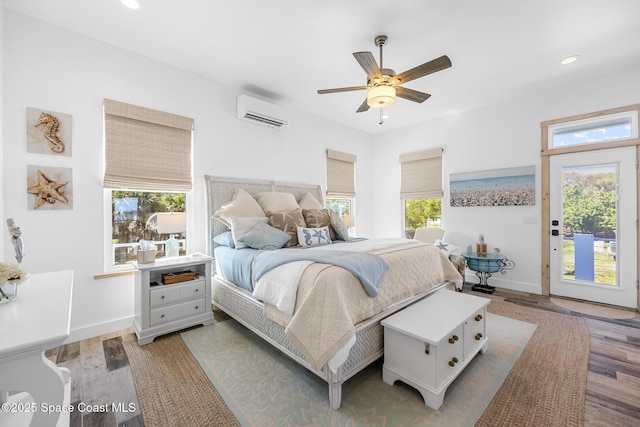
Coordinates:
(421, 188)
(341, 188)
(135, 217)
(612, 127)
(148, 173)
(419, 213)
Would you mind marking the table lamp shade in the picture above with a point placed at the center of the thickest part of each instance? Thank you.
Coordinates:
(349, 220)
(174, 222)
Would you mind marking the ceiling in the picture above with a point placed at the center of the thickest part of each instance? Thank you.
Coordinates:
(285, 50)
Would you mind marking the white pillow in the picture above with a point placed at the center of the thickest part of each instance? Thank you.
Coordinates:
(307, 201)
(273, 201)
(241, 226)
(242, 205)
(444, 246)
(313, 236)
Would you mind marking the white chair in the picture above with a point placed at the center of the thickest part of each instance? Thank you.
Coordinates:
(429, 234)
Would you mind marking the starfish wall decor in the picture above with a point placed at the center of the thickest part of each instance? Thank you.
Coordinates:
(48, 190)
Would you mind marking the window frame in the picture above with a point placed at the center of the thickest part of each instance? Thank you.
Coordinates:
(585, 123)
(548, 150)
(108, 250)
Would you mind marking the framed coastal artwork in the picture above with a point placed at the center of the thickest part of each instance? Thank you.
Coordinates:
(497, 187)
(48, 132)
(49, 188)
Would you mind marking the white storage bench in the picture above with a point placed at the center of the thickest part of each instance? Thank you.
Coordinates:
(429, 343)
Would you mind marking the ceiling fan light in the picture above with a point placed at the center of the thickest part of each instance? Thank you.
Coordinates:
(381, 96)
(569, 59)
(131, 4)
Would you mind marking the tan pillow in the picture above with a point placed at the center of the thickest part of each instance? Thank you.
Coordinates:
(316, 218)
(342, 232)
(289, 223)
(242, 205)
(273, 201)
(307, 201)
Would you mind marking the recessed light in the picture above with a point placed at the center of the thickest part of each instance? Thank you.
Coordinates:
(132, 4)
(569, 59)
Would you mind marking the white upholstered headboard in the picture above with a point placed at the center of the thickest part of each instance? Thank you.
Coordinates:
(219, 190)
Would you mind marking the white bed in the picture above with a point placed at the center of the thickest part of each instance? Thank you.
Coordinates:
(365, 341)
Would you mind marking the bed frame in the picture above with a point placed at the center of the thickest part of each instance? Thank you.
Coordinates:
(239, 304)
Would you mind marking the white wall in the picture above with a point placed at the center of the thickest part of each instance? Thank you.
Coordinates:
(497, 136)
(53, 69)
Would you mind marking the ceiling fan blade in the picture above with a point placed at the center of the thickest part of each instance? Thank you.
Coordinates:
(432, 66)
(363, 107)
(342, 89)
(411, 95)
(368, 64)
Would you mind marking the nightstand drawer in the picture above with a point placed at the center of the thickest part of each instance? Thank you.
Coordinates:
(158, 316)
(167, 294)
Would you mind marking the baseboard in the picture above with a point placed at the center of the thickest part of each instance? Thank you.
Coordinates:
(98, 329)
(511, 285)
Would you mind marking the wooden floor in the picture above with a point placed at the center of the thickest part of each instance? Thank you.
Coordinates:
(101, 375)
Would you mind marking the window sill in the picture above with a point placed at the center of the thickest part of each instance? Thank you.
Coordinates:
(113, 274)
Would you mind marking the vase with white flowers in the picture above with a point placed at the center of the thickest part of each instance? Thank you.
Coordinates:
(11, 274)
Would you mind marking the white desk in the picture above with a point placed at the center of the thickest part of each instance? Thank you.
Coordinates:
(37, 321)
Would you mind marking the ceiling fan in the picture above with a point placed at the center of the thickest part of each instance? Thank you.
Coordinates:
(383, 84)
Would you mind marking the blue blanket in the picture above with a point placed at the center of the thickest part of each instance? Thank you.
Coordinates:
(369, 268)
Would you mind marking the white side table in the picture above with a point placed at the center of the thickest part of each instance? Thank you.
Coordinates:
(37, 321)
(161, 308)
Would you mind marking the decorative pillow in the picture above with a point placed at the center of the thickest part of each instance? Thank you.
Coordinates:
(242, 205)
(263, 236)
(241, 226)
(316, 218)
(307, 201)
(288, 222)
(444, 246)
(313, 236)
(342, 233)
(273, 201)
(225, 239)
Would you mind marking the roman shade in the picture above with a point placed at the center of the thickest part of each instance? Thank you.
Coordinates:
(421, 174)
(340, 174)
(146, 149)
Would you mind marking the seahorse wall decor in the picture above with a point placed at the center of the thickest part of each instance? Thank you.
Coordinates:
(51, 127)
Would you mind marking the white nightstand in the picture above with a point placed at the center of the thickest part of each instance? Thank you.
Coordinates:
(163, 308)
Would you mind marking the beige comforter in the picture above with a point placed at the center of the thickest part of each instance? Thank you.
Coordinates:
(331, 300)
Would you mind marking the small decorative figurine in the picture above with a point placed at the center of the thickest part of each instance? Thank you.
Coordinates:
(16, 239)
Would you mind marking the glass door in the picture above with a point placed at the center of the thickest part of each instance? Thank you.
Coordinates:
(593, 226)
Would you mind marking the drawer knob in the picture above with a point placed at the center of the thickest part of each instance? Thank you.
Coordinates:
(162, 316)
(478, 317)
(453, 361)
(162, 297)
(197, 289)
(453, 339)
(478, 336)
(197, 307)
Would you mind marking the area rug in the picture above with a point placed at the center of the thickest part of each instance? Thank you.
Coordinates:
(264, 388)
(548, 383)
(594, 309)
(172, 389)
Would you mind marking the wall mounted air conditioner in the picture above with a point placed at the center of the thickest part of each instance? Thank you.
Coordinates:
(261, 112)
